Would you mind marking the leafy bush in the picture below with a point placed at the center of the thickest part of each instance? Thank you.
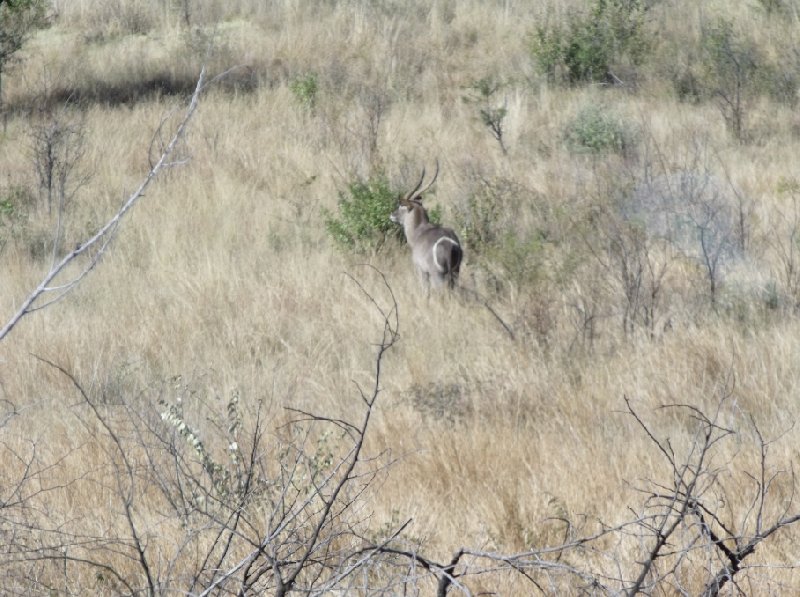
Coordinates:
(731, 68)
(18, 21)
(363, 223)
(590, 46)
(782, 81)
(520, 257)
(16, 199)
(490, 223)
(687, 85)
(305, 90)
(597, 130)
(480, 218)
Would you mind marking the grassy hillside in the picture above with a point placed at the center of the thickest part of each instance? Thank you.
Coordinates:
(622, 354)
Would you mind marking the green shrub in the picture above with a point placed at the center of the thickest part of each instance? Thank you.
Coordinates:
(596, 130)
(783, 8)
(481, 215)
(363, 223)
(16, 202)
(18, 22)
(305, 90)
(491, 223)
(520, 257)
(591, 46)
(780, 83)
(686, 85)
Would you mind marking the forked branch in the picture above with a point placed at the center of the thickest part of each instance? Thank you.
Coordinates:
(689, 502)
(278, 563)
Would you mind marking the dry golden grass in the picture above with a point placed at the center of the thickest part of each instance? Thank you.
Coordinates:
(224, 274)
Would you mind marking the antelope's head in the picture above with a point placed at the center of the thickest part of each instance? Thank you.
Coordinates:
(413, 200)
(435, 250)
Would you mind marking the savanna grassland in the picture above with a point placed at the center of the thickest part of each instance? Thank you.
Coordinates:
(621, 361)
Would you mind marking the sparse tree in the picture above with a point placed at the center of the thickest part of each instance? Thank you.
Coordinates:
(58, 148)
(687, 206)
(58, 143)
(731, 62)
(481, 93)
(639, 265)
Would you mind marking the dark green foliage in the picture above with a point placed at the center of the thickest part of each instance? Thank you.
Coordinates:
(727, 54)
(6, 208)
(520, 257)
(732, 69)
(363, 223)
(18, 20)
(687, 86)
(781, 82)
(591, 46)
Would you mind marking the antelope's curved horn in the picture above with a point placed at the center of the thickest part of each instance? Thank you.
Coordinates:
(416, 188)
(433, 180)
(416, 193)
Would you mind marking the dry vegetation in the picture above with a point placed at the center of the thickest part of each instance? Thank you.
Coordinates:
(224, 282)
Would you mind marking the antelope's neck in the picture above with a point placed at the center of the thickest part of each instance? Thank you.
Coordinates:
(414, 223)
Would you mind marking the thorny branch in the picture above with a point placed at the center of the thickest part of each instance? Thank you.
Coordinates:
(126, 492)
(687, 503)
(323, 506)
(300, 529)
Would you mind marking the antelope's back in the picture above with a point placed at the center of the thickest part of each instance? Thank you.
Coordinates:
(446, 250)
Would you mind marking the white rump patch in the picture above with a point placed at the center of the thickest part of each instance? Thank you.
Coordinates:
(436, 246)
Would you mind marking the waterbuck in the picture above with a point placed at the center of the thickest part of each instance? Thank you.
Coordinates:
(435, 251)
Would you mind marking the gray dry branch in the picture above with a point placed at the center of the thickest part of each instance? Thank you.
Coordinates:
(258, 519)
(329, 550)
(689, 538)
(52, 288)
(247, 517)
(692, 532)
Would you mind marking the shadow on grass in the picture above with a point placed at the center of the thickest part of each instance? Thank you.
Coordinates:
(242, 80)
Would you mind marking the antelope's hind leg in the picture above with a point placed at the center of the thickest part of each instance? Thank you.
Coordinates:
(423, 277)
(438, 279)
